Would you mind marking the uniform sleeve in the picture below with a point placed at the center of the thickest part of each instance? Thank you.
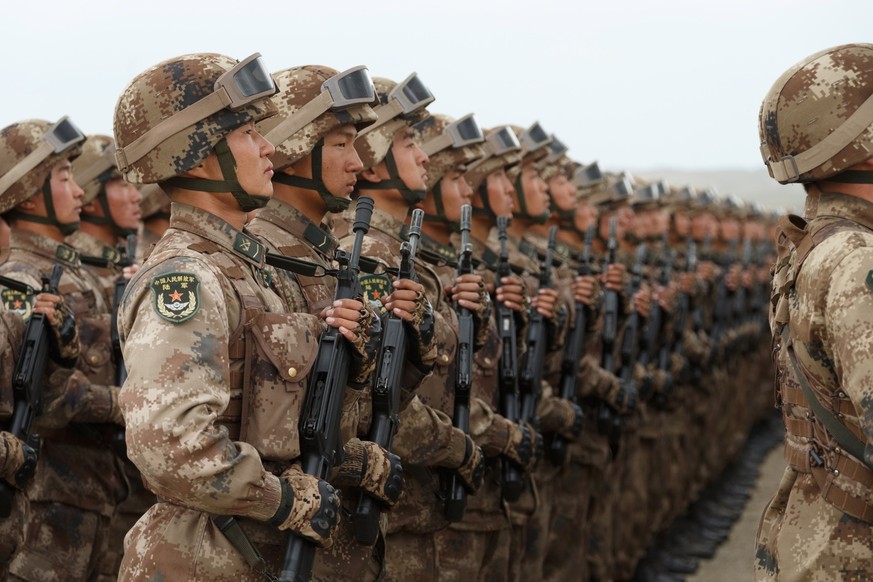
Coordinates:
(77, 399)
(178, 384)
(849, 329)
(426, 437)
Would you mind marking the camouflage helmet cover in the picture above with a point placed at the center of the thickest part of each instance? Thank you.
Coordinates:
(374, 145)
(297, 87)
(17, 141)
(480, 169)
(153, 199)
(164, 90)
(95, 166)
(817, 119)
(447, 159)
(614, 190)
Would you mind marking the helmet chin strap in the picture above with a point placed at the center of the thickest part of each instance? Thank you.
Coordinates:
(486, 211)
(51, 218)
(395, 182)
(852, 177)
(522, 205)
(106, 219)
(227, 163)
(440, 216)
(333, 203)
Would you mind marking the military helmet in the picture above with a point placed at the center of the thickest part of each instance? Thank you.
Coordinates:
(95, 166)
(502, 150)
(153, 199)
(817, 119)
(617, 188)
(587, 177)
(28, 151)
(444, 150)
(294, 132)
(172, 115)
(648, 195)
(396, 110)
(555, 161)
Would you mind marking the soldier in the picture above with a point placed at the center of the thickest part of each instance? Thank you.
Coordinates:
(815, 127)
(395, 177)
(315, 164)
(207, 342)
(110, 212)
(79, 479)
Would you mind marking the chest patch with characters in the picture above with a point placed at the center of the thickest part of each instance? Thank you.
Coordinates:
(16, 302)
(375, 287)
(176, 296)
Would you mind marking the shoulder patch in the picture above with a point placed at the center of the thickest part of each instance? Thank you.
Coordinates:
(870, 281)
(375, 286)
(176, 296)
(16, 302)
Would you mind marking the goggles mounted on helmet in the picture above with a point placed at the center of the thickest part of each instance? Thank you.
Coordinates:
(500, 142)
(410, 96)
(534, 138)
(342, 91)
(462, 132)
(248, 81)
(60, 137)
(105, 162)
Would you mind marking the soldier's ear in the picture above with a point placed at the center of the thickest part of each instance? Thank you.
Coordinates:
(92, 207)
(370, 175)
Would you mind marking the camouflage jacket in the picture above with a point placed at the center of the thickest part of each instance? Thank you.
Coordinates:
(77, 464)
(826, 300)
(93, 247)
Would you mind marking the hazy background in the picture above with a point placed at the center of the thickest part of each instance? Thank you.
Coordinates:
(669, 88)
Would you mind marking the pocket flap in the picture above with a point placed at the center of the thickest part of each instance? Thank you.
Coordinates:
(289, 341)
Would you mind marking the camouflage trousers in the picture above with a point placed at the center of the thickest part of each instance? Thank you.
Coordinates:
(567, 548)
(803, 537)
(62, 543)
(12, 531)
(129, 511)
(472, 556)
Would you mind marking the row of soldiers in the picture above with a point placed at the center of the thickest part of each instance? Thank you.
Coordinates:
(495, 364)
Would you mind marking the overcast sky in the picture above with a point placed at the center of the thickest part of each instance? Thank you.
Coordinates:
(632, 83)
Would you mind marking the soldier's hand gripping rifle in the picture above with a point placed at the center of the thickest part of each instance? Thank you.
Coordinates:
(27, 386)
(665, 347)
(127, 257)
(684, 310)
(610, 327)
(722, 308)
(740, 307)
(512, 480)
(456, 493)
(320, 444)
(557, 448)
(537, 338)
(386, 387)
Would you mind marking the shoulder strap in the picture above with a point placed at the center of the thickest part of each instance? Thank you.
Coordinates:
(844, 437)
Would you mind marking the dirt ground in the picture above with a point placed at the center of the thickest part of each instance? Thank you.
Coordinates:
(733, 560)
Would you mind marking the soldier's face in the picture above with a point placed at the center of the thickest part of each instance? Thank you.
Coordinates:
(585, 216)
(681, 224)
(66, 194)
(500, 192)
(124, 201)
(411, 161)
(563, 192)
(536, 195)
(455, 193)
(340, 161)
(251, 152)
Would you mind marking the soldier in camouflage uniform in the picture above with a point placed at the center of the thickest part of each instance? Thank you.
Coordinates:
(207, 341)
(110, 212)
(816, 128)
(79, 480)
(428, 444)
(315, 170)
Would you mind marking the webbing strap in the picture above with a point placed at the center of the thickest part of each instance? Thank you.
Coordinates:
(238, 539)
(838, 430)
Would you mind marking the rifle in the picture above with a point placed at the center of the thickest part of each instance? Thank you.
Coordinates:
(610, 327)
(684, 309)
(456, 493)
(573, 353)
(537, 332)
(722, 308)
(664, 351)
(512, 483)
(320, 422)
(740, 307)
(630, 338)
(27, 385)
(128, 253)
(386, 387)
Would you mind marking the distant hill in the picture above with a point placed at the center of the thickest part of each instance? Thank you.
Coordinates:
(747, 184)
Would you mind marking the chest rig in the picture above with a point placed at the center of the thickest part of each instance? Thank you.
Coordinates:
(819, 438)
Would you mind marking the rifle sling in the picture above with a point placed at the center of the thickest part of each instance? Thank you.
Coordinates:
(234, 533)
